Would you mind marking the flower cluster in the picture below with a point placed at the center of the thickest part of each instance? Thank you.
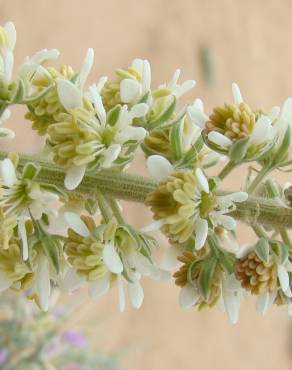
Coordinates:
(61, 221)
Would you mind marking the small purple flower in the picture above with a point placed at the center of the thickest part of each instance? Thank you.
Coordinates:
(3, 355)
(74, 338)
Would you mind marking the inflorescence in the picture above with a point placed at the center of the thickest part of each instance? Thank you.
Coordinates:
(61, 223)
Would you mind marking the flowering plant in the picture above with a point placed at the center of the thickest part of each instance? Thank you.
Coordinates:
(34, 340)
(60, 215)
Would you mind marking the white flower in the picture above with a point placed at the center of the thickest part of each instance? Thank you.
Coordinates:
(196, 113)
(7, 44)
(116, 262)
(122, 132)
(191, 205)
(16, 200)
(262, 136)
(176, 89)
(230, 296)
(6, 133)
(131, 90)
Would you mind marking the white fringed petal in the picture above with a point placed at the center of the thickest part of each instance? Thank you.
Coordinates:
(146, 76)
(283, 277)
(287, 110)
(201, 229)
(74, 176)
(95, 97)
(7, 172)
(196, 113)
(263, 303)
(98, 288)
(139, 110)
(156, 225)
(203, 182)
(169, 260)
(121, 293)
(136, 294)
(110, 155)
(129, 90)
(159, 167)
(227, 222)
(11, 33)
(71, 281)
(188, 296)
(43, 284)
(85, 68)
(69, 94)
(111, 259)
(76, 224)
(236, 94)
(219, 139)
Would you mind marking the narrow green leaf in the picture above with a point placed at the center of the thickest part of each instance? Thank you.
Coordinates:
(206, 276)
(284, 147)
(176, 140)
(281, 250)
(238, 150)
(262, 250)
(113, 115)
(164, 115)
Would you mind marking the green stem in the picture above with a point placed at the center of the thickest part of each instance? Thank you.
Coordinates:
(259, 231)
(115, 209)
(105, 209)
(258, 179)
(255, 210)
(226, 170)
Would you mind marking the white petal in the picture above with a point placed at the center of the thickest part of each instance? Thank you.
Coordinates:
(74, 176)
(263, 302)
(100, 83)
(274, 113)
(5, 283)
(69, 94)
(6, 133)
(43, 285)
(232, 304)
(196, 113)
(227, 222)
(201, 229)
(159, 167)
(11, 32)
(203, 182)
(110, 155)
(5, 115)
(170, 261)
(71, 281)
(236, 93)
(131, 133)
(240, 196)
(99, 287)
(146, 77)
(219, 139)
(8, 65)
(98, 105)
(7, 172)
(136, 294)
(129, 90)
(283, 277)
(111, 259)
(185, 87)
(188, 296)
(171, 85)
(23, 236)
(76, 224)
(287, 110)
(85, 69)
(156, 225)
(121, 293)
(139, 110)
(262, 130)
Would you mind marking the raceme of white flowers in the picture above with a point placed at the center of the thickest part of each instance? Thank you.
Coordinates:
(61, 222)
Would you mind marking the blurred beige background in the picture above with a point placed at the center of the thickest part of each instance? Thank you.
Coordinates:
(249, 42)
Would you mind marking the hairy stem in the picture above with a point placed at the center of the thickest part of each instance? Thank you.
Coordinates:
(226, 170)
(255, 210)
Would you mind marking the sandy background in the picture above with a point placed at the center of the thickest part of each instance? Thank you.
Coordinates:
(249, 42)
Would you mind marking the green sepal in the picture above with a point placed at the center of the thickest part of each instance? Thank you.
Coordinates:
(281, 250)
(30, 171)
(272, 189)
(163, 116)
(144, 98)
(262, 250)
(284, 147)
(113, 115)
(19, 93)
(91, 205)
(176, 140)
(212, 145)
(48, 244)
(206, 275)
(226, 261)
(238, 150)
